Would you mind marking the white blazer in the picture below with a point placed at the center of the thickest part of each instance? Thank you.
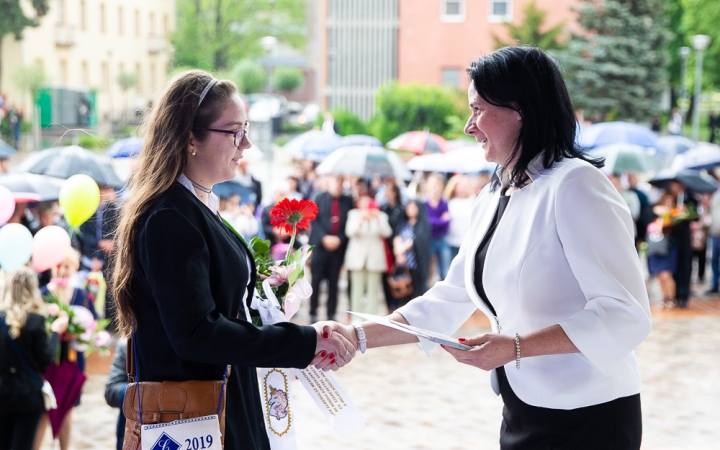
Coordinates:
(366, 249)
(563, 253)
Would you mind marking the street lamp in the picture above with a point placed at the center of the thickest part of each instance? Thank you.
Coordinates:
(268, 44)
(699, 43)
(684, 54)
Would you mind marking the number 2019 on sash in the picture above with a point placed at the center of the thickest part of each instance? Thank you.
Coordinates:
(199, 443)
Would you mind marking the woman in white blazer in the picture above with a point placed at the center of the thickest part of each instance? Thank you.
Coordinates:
(550, 260)
(365, 258)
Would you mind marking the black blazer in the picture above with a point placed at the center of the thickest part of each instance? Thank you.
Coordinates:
(190, 275)
(36, 348)
(321, 226)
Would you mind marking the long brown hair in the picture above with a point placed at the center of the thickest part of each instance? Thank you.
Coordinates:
(20, 296)
(161, 161)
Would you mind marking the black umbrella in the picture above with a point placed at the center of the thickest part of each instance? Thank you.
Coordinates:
(6, 150)
(64, 162)
(694, 180)
(48, 188)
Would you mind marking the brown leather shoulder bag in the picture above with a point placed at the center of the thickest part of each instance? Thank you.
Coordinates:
(165, 401)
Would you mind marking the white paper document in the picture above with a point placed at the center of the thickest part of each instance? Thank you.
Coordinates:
(415, 331)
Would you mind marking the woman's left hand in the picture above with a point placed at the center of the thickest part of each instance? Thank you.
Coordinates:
(489, 351)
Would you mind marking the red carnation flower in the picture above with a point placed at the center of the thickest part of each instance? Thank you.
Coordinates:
(290, 214)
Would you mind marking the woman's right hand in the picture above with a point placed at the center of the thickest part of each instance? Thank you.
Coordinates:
(332, 349)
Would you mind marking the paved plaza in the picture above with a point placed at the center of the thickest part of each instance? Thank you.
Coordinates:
(411, 401)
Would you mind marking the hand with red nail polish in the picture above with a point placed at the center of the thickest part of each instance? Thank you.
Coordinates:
(333, 350)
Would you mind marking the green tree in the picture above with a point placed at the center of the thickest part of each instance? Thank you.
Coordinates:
(29, 78)
(616, 66)
(347, 122)
(215, 34)
(411, 107)
(287, 79)
(529, 31)
(249, 76)
(13, 20)
(702, 17)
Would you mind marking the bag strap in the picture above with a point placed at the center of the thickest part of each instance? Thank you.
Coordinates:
(133, 368)
(17, 351)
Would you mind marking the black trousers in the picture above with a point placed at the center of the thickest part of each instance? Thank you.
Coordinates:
(701, 256)
(325, 265)
(17, 428)
(615, 425)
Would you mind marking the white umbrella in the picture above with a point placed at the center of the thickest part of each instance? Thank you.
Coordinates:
(462, 160)
(621, 158)
(364, 161)
(704, 156)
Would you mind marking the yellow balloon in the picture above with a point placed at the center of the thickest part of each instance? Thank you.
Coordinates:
(79, 199)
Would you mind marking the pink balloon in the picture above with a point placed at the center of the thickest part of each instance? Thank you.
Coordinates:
(7, 205)
(51, 246)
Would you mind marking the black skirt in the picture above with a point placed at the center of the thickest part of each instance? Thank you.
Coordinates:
(615, 425)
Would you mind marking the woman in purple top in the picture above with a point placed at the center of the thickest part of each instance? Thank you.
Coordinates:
(439, 216)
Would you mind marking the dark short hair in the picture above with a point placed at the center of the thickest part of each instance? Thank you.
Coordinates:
(529, 81)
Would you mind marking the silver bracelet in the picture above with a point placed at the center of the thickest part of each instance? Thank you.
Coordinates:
(362, 340)
(517, 350)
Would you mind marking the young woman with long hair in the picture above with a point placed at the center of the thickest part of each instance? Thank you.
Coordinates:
(182, 280)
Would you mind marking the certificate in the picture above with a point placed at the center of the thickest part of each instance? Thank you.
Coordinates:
(415, 331)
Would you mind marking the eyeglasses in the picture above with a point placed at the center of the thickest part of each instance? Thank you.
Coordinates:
(238, 136)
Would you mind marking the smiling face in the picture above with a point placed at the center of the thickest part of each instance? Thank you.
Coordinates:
(216, 158)
(495, 127)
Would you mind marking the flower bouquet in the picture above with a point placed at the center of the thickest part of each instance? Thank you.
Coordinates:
(280, 288)
(85, 333)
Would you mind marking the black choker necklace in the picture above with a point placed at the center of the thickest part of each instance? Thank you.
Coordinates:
(202, 188)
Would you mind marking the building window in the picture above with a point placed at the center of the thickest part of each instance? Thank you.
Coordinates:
(153, 79)
(83, 20)
(137, 23)
(152, 24)
(166, 27)
(85, 74)
(63, 72)
(105, 76)
(451, 77)
(102, 17)
(138, 73)
(121, 24)
(61, 12)
(452, 11)
(500, 10)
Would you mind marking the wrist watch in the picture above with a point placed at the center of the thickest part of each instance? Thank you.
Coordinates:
(362, 340)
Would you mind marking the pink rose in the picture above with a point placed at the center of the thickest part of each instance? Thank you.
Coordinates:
(63, 314)
(300, 290)
(102, 339)
(53, 309)
(280, 274)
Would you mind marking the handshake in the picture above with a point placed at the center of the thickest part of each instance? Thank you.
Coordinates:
(336, 345)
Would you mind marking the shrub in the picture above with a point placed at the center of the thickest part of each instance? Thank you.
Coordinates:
(249, 76)
(402, 108)
(287, 79)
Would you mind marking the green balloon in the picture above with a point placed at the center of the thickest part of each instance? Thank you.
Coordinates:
(16, 244)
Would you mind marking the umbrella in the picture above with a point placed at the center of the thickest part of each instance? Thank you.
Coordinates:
(360, 139)
(399, 167)
(66, 381)
(694, 180)
(462, 160)
(607, 133)
(460, 143)
(704, 156)
(64, 162)
(125, 148)
(314, 145)
(621, 158)
(419, 142)
(48, 188)
(6, 150)
(227, 188)
(365, 161)
(674, 145)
